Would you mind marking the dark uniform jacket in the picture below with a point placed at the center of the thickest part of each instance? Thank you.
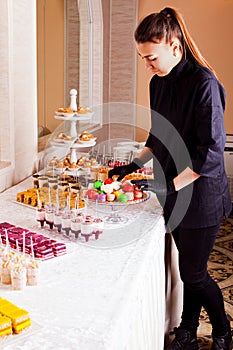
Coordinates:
(187, 129)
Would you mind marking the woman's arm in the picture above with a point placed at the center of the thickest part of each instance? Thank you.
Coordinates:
(185, 178)
(145, 155)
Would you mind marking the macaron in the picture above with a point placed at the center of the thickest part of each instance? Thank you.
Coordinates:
(123, 198)
(98, 184)
(101, 197)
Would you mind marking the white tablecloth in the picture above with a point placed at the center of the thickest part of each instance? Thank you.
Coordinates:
(97, 296)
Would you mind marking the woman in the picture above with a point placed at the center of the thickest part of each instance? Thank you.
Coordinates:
(187, 99)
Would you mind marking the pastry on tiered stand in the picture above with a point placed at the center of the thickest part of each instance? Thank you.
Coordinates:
(86, 136)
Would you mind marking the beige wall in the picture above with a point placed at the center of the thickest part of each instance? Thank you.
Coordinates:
(50, 60)
(210, 24)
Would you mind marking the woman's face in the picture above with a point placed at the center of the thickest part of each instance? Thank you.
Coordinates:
(159, 58)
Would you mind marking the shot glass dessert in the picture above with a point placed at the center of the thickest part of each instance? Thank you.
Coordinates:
(53, 182)
(98, 225)
(43, 181)
(75, 226)
(49, 217)
(66, 223)
(57, 219)
(86, 228)
(18, 277)
(40, 216)
(32, 273)
(6, 272)
(35, 180)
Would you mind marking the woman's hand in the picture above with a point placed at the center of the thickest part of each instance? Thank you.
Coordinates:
(161, 189)
(124, 170)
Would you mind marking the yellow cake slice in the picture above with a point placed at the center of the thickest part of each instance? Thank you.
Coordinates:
(5, 326)
(20, 318)
(16, 315)
(17, 328)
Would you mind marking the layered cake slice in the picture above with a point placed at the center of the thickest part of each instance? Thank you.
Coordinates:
(20, 318)
(42, 252)
(5, 326)
(59, 249)
(6, 225)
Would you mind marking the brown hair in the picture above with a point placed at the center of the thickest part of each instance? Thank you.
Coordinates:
(167, 24)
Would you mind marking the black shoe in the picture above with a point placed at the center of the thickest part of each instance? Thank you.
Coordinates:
(184, 340)
(223, 342)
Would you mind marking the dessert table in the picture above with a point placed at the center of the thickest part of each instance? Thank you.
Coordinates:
(105, 295)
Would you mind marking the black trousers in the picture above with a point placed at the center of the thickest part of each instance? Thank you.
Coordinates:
(194, 247)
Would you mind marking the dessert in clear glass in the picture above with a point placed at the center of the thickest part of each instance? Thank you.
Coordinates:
(6, 272)
(98, 226)
(66, 222)
(18, 277)
(40, 216)
(76, 226)
(32, 273)
(57, 218)
(86, 228)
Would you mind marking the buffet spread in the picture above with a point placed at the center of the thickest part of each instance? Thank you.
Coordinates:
(93, 296)
(82, 255)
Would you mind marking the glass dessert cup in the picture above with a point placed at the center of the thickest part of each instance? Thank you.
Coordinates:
(40, 216)
(66, 223)
(75, 227)
(57, 223)
(32, 273)
(49, 217)
(98, 225)
(86, 229)
(18, 277)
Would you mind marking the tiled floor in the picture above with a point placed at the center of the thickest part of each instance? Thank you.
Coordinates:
(221, 269)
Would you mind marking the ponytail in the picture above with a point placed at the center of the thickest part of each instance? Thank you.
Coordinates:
(168, 24)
